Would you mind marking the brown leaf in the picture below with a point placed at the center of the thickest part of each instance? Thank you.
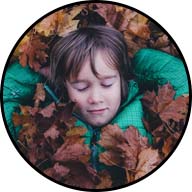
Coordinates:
(111, 136)
(48, 110)
(76, 131)
(108, 12)
(176, 110)
(28, 110)
(39, 94)
(168, 145)
(52, 132)
(106, 181)
(28, 132)
(139, 30)
(57, 172)
(164, 106)
(148, 160)
(20, 119)
(81, 175)
(33, 52)
(65, 111)
(72, 149)
(124, 147)
(111, 158)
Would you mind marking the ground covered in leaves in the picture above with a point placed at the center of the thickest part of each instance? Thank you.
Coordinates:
(49, 138)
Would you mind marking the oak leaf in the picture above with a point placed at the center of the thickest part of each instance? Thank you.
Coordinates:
(124, 147)
(148, 159)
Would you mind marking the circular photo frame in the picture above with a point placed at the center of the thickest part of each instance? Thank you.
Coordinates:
(96, 95)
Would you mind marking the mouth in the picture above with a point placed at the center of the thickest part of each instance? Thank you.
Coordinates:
(97, 111)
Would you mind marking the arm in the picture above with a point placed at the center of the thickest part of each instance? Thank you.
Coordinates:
(153, 68)
(19, 85)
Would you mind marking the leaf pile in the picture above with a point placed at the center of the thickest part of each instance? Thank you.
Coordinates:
(50, 140)
(52, 143)
(139, 31)
(165, 120)
(166, 117)
(128, 150)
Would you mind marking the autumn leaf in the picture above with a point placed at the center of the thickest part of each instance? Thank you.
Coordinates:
(48, 110)
(166, 117)
(28, 110)
(106, 181)
(39, 94)
(65, 111)
(33, 52)
(49, 138)
(52, 132)
(57, 172)
(81, 175)
(124, 147)
(139, 30)
(72, 149)
(148, 159)
(76, 131)
(111, 136)
(164, 105)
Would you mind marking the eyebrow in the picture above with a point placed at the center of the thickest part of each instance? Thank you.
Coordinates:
(102, 78)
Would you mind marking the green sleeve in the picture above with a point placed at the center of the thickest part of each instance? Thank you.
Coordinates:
(19, 84)
(153, 67)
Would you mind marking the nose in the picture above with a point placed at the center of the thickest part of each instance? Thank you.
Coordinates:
(95, 97)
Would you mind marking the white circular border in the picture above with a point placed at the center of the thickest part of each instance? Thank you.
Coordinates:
(16, 17)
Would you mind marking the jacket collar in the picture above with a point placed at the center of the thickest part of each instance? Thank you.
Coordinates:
(133, 91)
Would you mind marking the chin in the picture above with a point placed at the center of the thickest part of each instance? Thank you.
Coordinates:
(98, 124)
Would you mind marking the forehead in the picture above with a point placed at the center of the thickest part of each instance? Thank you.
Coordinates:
(102, 66)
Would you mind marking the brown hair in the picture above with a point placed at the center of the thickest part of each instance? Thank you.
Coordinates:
(70, 52)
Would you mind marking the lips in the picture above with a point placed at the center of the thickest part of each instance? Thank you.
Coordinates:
(97, 111)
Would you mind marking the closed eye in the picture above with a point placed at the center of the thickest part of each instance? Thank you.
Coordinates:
(82, 89)
(107, 85)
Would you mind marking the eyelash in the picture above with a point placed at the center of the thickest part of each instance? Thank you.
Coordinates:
(106, 86)
(82, 89)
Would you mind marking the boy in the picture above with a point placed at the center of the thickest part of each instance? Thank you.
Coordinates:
(92, 64)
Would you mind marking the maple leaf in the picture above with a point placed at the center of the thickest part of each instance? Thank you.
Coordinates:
(164, 105)
(28, 130)
(52, 132)
(166, 117)
(28, 110)
(47, 26)
(33, 52)
(48, 110)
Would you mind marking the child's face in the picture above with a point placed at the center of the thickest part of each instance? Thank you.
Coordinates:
(97, 99)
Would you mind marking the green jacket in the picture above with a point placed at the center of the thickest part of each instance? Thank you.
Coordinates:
(151, 68)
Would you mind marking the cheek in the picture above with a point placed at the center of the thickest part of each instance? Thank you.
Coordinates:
(79, 99)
